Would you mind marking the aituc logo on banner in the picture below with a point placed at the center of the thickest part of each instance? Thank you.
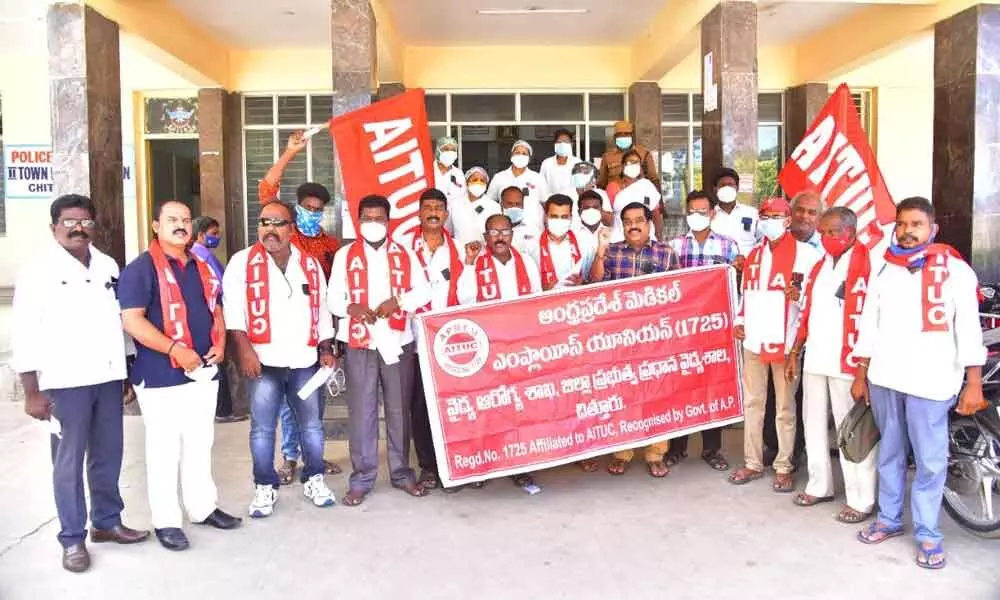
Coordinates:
(461, 348)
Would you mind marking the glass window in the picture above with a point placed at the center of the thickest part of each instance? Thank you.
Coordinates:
(437, 107)
(601, 138)
(674, 108)
(291, 110)
(258, 110)
(321, 107)
(482, 107)
(696, 179)
(674, 164)
(296, 173)
(259, 154)
(607, 107)
(768, 161)
(769, 108)
(551, 107)
(697, 108)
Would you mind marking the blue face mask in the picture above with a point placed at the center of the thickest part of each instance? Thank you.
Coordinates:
(212, 241)
(581, 180)
(623, 143)
(514, 213)
(307, 221)
(896, 250)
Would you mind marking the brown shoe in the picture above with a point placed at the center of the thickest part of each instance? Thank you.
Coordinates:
(118, 534)
(76, 559)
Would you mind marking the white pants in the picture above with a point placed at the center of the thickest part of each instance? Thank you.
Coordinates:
(180, 431)
(819, 394)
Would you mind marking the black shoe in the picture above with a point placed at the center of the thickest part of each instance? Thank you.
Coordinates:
(221, 520)
(231, 418)
(172, 538)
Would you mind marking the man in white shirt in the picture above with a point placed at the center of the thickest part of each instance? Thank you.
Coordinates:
(773, 279)
(584, 176)
(447, 177)
(441, 261)
(467, 217)
(273, 295)
(512, 205)
(919, 338)
(69, 351)
(559, 252)
(556, 170)
(588, 232)
(375, 287)
(732, 219)
(834, 299)
(806, 210)
(531, 184)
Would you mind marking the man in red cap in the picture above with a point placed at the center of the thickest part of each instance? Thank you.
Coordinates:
(773, 279)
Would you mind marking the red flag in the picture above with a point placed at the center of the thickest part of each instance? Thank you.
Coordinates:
(835, 159)
(385, 149)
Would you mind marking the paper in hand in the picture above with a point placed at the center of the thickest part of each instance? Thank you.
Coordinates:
(385, 341)
(205, 373)
(318, 379)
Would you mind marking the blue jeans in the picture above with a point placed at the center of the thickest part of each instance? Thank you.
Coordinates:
(906, 420)
(289, 434)
(275, 388)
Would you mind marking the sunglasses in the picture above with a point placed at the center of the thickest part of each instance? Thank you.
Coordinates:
(266, 222)
(72, 223)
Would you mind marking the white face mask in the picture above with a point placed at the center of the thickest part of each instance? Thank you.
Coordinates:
(563, 149)
(558, 227)
(698, 221)
(373, 232)
(477, 190)
(726, 195)
(632, 171)
(520, 160)
(590, 216)
(772, 229)
(448, 158)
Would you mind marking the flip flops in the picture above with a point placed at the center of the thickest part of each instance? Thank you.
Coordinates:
(869, 534)
(924, 555)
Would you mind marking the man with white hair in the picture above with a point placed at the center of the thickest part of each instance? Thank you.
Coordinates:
(531, 183)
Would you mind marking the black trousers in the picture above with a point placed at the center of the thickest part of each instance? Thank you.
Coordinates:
(423, 441)
(711, 439)
(223, 402)
(771, 433)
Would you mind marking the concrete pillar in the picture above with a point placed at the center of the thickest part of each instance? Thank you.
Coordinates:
(85, 105)
(966, 187)
(389, 89)
(729, 88)
(352, 25)
(802, 104)
(220, 149)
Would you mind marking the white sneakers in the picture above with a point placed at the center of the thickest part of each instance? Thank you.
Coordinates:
(264, 498)
(315, 489)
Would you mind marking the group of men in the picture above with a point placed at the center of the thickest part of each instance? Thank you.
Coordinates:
(296, 301)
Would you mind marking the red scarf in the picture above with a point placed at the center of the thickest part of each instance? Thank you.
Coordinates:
(357, 286)
(454, 268)
(259, 295)
(489, 285)
(172, 300)
(549, 278)
(855, 291)
(782, 264)
(934, 272)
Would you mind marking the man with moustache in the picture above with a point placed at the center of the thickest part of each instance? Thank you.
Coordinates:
(69, 351)
(441, 262)
(170, 306)
(637, 255)
(273, 296)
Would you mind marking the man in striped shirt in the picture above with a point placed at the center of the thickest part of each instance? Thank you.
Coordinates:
(700, 247)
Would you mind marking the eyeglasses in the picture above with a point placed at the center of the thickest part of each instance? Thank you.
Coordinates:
(500, 232)
(73, 223)
(266, 222)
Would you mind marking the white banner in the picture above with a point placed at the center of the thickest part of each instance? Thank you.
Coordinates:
(27, 171)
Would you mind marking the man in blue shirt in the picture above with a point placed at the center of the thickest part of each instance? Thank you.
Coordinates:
(169, 300)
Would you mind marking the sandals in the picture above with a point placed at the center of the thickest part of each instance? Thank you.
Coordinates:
(852, 517)
(588, 465)
(286, 473)
(331, 467)
(354, 498)
(784, 483)
(877, 532)
(744, 475)
(523, 480)
(413, 489)
(805, 500)
(617, 466)
(716, 460)
(925, 554)
(429, 479)
(671, 460)
(657, 469)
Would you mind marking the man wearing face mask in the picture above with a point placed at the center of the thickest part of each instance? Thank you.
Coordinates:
(834, 301)
(733, 219)
(701, 247)
(559, 252)
(612, 162)
(584, 178)
(590, 228)
(512, 204)
(556, 170)
(773, 277)
(447, 177)
(531, 184)
(919, 338)
(467, 217)
(310, 238)
(377, 279)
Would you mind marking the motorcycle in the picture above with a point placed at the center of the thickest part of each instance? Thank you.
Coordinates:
(972, 488)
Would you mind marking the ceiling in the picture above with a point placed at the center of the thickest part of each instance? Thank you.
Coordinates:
(786, 22)
(263, 23)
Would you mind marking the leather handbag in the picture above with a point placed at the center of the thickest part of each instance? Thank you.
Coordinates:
(858, 434)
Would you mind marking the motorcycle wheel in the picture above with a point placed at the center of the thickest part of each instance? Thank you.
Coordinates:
(971, 490)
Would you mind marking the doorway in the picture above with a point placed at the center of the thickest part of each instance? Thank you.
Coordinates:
(174, 173)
